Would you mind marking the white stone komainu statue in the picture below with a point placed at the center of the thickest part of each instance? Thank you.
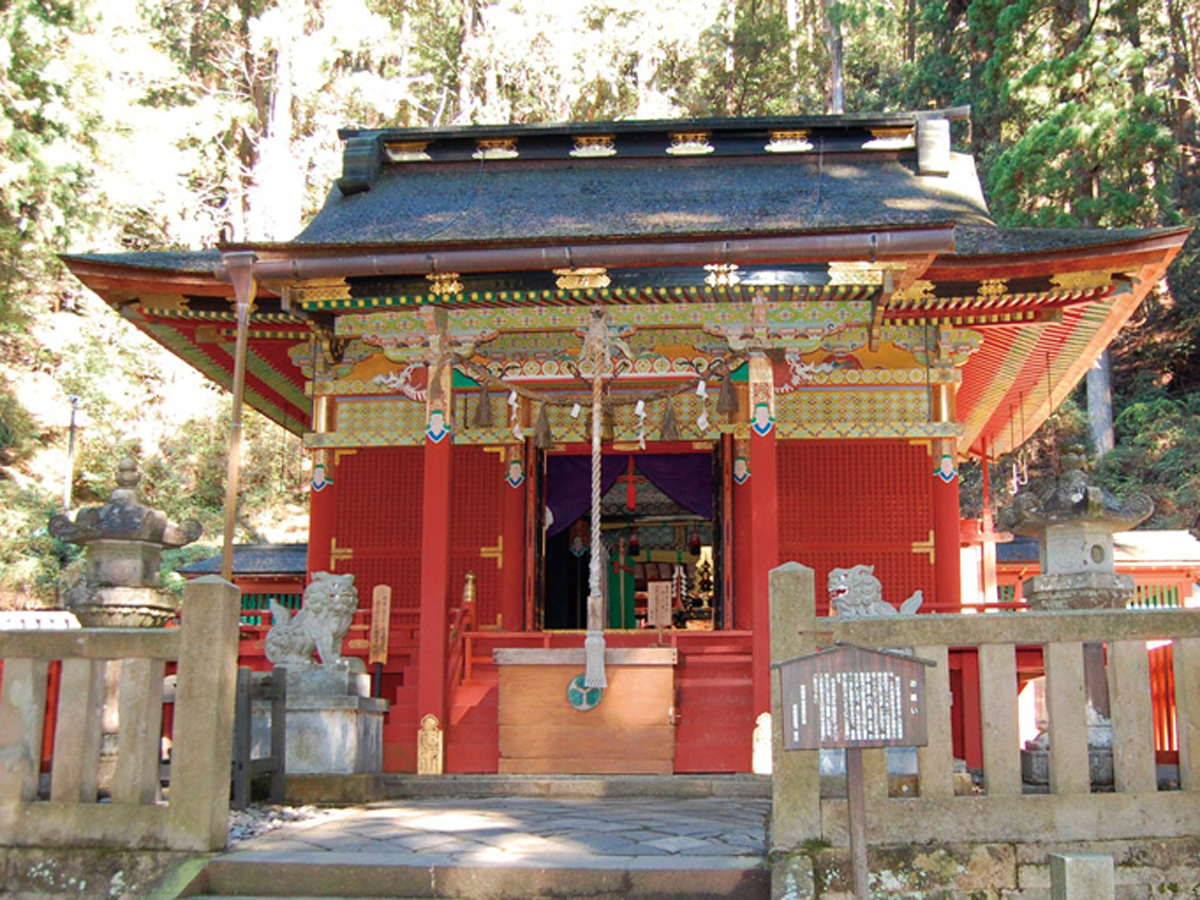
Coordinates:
(856, 593)
(319, 626)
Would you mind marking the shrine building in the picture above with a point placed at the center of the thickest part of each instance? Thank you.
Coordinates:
(755, 340)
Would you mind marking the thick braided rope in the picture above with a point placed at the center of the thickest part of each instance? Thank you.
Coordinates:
(593, 645)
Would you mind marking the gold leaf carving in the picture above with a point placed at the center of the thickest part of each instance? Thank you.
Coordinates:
(856, 272)
(993, 287)
(918, 292)
(429, 746)
(314, 290)
(582, 278)
(1081, 281)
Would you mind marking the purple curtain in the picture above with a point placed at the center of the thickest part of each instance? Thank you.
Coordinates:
(684, 477)
(687, 478)
(569, 486)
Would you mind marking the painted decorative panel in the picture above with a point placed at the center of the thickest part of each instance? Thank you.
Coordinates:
(380, 423)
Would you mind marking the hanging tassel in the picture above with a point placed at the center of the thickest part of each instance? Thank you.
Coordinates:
(483, 412)
(669, 430)
(727, 401)
(593, 657)
(542, 438)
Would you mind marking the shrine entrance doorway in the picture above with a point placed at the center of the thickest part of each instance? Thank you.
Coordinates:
(661, 523)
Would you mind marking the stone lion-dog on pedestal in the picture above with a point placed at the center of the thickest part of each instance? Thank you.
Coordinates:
(320, 625)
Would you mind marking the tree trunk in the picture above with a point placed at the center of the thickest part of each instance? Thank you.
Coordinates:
(910, 30)
(833, 40)
(1100, 404)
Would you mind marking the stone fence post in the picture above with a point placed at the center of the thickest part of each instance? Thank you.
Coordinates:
(202, 751)
(795, 783)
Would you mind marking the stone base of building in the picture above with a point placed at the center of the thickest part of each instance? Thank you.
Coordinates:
(1167, 868)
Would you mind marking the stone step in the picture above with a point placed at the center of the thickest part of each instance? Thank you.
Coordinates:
(368, 875)
(403, 786)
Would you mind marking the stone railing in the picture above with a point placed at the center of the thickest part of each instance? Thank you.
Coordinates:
(191, 813)
(1001, 810)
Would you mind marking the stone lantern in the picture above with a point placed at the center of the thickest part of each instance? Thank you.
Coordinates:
(123, 542)
(1074, 524)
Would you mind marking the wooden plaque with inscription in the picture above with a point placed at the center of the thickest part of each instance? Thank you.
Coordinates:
(851, 697)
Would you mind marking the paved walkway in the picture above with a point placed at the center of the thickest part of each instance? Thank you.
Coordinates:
(526, 830)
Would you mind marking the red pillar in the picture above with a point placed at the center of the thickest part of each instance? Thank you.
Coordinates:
(512, 576)
(321, 504)
(435, 580)
(764, 556)
(764, 523)
(947, 530)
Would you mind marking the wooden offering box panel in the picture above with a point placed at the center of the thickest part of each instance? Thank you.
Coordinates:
(629, 732)
(848, 697)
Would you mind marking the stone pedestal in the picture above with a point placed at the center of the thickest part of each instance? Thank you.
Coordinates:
(334, 726)
(1081, 876)
(1078, 590)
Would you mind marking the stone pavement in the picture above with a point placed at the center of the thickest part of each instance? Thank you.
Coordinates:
(511, 847)
(502, 829)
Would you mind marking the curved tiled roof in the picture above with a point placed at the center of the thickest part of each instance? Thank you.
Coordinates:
(615, 198)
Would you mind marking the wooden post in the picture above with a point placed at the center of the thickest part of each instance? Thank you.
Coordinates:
(857, 822)
(242, 717)
(241, 272)
(381, 620)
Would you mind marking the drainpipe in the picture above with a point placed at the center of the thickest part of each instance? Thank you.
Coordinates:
(241, 270)
(780, 249)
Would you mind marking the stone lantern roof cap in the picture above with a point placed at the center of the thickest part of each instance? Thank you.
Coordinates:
(124, 518)
(1075, 500)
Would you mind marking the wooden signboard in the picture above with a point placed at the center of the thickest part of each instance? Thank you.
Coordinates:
(658, 605)
(853, 697)
(381, 619)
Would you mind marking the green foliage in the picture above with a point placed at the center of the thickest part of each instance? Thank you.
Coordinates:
(31, 560)
(1158, 453)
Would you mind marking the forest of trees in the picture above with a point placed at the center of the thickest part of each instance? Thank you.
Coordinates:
(181, 123)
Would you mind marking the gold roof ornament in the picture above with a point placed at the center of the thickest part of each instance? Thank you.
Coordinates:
(407, 151)
(444, 283)
(789, 142)
(495, 148)
(722, 275)
(993, 287)
(890, 138)
(690, 143)
(593, 146)
(582, 278)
